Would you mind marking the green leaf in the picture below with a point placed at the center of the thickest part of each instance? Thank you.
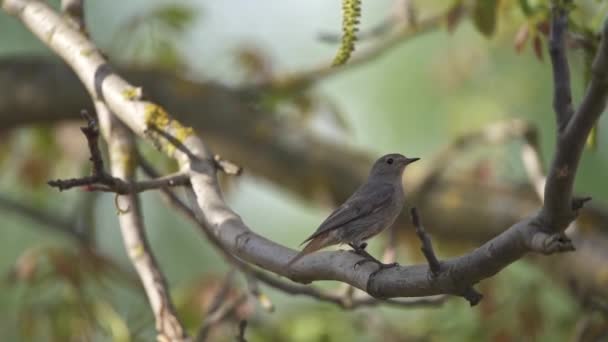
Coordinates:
(592, 139)
(484, 16)
(525, 7)
(176, 17)
(589, 55)
(167, 55)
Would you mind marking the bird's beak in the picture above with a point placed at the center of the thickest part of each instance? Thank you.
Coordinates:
(410, 160)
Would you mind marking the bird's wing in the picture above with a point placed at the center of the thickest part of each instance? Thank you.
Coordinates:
(361, 204)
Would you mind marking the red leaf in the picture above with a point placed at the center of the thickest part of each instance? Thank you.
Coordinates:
(454, 16)
(538, 47)
(543, 27)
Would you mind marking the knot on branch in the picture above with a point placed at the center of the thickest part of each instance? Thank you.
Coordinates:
(472, 296)
(579, 202)
(227, 166)
(550, 243)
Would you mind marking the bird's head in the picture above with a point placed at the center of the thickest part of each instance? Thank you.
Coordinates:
(391, 165)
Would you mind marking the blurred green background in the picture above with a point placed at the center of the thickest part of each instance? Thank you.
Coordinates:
(414, 100)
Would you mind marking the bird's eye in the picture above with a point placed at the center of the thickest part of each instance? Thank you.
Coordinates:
(389, 161)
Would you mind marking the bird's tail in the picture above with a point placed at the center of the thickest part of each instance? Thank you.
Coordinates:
(313, 246)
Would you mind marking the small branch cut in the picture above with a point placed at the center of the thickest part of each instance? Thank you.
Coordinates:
(227, 166)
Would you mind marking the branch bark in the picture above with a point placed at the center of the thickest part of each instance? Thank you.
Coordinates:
(557, 210)
(121, 147)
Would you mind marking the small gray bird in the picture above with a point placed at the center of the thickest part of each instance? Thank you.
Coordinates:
(367, 212)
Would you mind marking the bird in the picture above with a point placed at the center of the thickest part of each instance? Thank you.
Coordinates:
(373, 207)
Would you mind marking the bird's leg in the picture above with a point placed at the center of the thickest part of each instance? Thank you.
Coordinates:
(360, 250)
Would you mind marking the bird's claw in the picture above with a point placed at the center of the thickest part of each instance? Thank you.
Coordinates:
(360, 250)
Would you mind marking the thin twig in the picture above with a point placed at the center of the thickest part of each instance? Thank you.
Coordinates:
(427, 245)
(242, 327)
(220, 315)
(91, 132)
(307, 78)
(469, 293)
(261, 297)
(218, 299)
(100, 180)
(222, 292)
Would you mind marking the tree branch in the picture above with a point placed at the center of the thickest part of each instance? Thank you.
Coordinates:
(306, 78)
(107, 182)
(470, 294)
(557, 211)
(220, 315)
(427, 246)
(121, 147)
(215, 306)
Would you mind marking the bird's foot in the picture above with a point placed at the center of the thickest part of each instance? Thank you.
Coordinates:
(360, 250)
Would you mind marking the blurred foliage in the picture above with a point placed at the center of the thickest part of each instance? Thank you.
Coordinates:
(151, 37)
(59, 292)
